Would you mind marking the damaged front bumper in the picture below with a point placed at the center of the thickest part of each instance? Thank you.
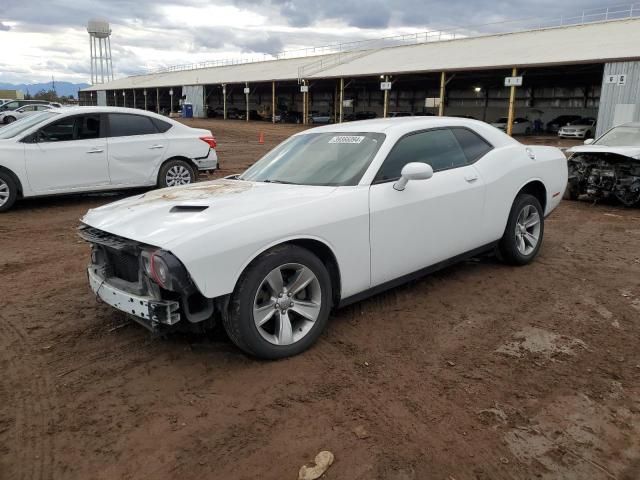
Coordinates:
(147, 311)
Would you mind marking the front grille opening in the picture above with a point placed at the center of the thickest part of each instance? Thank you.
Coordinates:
(123, 265)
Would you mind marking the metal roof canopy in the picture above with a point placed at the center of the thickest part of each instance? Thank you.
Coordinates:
(613, 40)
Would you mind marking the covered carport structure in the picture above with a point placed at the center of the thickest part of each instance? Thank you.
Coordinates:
(562, 69)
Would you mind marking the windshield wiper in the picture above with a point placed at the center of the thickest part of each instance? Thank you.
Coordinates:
(279, 181)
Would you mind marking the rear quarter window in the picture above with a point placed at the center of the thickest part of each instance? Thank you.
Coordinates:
(161, 125)
(127, 125)
(473, 145)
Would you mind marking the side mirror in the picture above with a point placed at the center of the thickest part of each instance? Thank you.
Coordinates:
(588, 141)
(413, 171)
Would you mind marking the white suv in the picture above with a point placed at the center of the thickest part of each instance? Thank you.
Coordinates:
(83, 149)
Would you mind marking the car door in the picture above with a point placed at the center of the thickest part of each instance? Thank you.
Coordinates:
(68, 154)
(430, 220)
(136, 149)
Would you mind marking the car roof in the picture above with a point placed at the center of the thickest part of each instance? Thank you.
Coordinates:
(95, 109)
(403, 125)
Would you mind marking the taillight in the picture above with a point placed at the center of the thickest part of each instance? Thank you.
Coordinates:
(209, 140)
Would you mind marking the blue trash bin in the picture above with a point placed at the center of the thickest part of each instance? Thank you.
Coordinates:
(187, 110)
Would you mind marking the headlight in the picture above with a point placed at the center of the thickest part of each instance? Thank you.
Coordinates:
(166, 270)
(160, 271)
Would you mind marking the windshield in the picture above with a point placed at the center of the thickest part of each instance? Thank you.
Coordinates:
(621, 137)
(582, 121)
(19, 126)
(328, 159)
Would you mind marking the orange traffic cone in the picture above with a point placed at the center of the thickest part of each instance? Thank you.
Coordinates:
(261, 138)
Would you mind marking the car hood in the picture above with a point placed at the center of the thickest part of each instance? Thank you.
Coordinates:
(169, 216)
(578, 127)
(633, 152)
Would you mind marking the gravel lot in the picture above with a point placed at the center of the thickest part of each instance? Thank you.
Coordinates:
(480, 371)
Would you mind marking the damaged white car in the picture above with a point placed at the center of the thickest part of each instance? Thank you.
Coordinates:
(328, 217)
(608, 168)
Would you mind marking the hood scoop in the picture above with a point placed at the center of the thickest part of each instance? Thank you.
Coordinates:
(188, 208)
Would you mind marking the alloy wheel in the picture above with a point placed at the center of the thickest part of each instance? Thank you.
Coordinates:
(287, 304)
(5, 193)
(178, 175)
(527, 230)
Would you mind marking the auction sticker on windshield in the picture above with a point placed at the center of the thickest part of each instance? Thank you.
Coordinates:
(347, 139)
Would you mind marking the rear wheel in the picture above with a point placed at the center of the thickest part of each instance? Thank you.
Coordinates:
(281, 303)
(8, 192)
(175, 173)
(525, 229)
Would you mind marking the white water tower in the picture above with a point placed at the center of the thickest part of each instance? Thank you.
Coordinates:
(100, 47)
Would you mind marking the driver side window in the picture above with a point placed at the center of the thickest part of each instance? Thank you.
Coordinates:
(60, 131)
(81, 127)
(438, 148)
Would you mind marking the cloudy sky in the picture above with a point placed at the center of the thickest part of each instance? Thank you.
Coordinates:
(41, 38)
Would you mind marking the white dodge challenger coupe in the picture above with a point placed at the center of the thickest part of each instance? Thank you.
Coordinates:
(88, 149)
(328, 217)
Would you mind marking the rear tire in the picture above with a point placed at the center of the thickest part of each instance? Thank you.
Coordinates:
(260, 319)
(8, 192)
(525, 229)
(175, 173)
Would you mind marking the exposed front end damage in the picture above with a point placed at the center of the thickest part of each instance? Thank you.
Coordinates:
(604, 175)
(145, 282)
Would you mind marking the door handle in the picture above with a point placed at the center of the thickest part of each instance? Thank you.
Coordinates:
(153, 147)
(471, 178)
(96, 150)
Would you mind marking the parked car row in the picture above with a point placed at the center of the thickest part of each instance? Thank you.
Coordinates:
(82, 149)
(10, 116)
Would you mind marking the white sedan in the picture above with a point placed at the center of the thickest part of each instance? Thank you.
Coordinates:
(330, 216)
(11, 116)
(87, 149)
(521, 126)
(583, 128)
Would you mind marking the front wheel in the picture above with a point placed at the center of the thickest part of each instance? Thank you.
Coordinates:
(525, 228)
(8, 192)
(281, 303)
(9, 119)
(175, 173)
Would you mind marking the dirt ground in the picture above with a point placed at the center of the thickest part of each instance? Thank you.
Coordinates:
(480, 371)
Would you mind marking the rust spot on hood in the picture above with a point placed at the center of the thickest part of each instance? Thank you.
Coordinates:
(197, 191)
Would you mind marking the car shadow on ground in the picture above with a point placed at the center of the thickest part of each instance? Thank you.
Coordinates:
(216, 340)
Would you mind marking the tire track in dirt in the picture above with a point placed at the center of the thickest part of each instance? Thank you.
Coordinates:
(31, 396)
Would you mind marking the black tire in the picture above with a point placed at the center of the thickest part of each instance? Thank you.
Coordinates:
(9, 119)
(508, 246)
(527, 131)
(589, 134)
(172, 165)
(239, 322)
(7, 183)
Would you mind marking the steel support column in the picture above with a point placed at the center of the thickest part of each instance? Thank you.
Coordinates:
(443, 84)
(512, 103)
(246, 97)
(273, 102)
(341, 100)
(386, 99)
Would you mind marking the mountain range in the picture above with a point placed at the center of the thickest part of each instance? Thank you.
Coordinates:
(62, 88)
